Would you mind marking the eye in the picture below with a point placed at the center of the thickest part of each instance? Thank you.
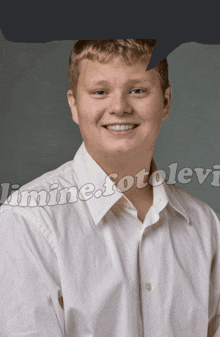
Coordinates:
(138, 91)
(100, 92)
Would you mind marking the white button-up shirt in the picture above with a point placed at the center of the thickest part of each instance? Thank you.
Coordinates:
(76, 261)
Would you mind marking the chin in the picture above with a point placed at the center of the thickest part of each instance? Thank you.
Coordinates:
(120, 150)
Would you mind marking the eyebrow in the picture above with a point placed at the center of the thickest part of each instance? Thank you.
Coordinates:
(103, 82)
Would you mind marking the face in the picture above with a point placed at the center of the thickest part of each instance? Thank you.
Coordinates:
(123, 96)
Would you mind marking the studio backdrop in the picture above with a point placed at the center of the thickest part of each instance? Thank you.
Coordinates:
(37, 133)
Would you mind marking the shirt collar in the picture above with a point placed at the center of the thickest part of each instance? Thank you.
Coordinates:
(87, 171)
(176, 201)
(164, 193)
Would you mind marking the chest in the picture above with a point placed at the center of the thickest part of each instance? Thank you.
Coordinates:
(115, 274)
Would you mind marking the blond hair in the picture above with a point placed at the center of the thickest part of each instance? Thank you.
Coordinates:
(103, 51)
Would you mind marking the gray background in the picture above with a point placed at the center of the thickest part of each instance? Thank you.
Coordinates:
(37, 133)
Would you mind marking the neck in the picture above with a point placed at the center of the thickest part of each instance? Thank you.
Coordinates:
(137, 166)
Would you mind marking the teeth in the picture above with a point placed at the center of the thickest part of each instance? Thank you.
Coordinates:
(120, 127)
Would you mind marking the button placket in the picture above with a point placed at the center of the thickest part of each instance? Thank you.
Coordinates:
(145, 231)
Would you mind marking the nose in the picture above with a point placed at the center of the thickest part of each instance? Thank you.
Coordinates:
(120, 105)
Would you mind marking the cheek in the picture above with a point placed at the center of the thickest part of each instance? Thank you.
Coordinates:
(89, 110)
(158, 102)
(89, 114)
(155, 109)
(98, 115)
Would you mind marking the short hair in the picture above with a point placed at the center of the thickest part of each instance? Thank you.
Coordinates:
(103, 51)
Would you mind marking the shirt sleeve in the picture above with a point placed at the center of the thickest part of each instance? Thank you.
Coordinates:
(30, 289)
(214, 325)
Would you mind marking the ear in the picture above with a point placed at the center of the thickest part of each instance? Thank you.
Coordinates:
(73, 106)
(167, 102)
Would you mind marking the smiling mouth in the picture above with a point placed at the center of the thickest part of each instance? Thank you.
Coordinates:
(120, 127)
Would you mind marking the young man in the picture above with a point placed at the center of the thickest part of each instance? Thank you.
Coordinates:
(103, 246)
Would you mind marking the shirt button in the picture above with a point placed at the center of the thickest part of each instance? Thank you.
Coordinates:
(148, 286)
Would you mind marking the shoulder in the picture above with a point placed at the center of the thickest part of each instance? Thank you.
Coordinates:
(64, 173)
(22, 207)
(62, 176)
(196, 209)
(203, 221)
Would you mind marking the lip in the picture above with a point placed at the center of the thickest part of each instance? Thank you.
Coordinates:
(122, 132)
(120, 124)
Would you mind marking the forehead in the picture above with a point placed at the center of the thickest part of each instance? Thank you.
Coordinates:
(116, 70)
